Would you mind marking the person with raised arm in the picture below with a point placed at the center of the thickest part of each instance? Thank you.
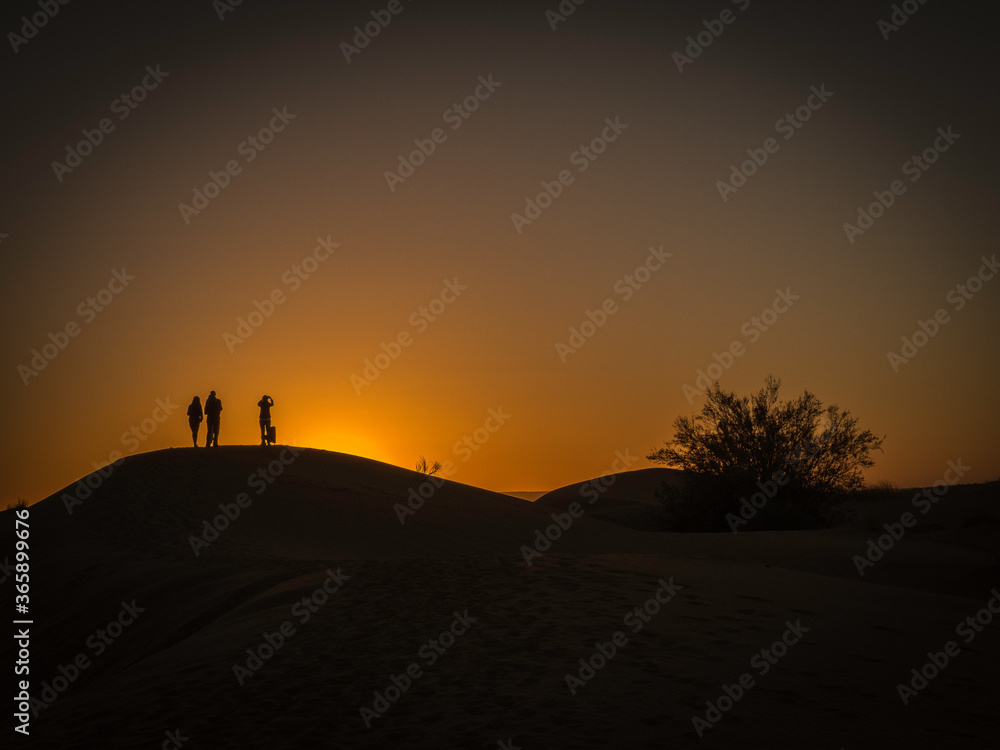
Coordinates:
(265, 405)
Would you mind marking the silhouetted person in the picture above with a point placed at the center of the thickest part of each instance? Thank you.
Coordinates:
(265, 405)
(194, 419)
(213, 407)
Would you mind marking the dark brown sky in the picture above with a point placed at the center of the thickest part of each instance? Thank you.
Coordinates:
(403, 249)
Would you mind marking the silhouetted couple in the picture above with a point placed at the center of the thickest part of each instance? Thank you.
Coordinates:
(213, 408)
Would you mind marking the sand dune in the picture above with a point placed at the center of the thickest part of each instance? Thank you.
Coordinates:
(639, 486)
(628, 498)
(489, 640)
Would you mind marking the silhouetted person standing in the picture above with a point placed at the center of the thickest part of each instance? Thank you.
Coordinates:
(194, 419)
(213, 407)
(265, 405)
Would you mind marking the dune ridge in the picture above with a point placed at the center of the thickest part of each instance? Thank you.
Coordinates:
(332, 517)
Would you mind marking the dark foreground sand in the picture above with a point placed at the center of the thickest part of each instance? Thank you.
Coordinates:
(457, 563)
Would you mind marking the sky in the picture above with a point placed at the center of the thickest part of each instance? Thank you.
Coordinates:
(506, 236)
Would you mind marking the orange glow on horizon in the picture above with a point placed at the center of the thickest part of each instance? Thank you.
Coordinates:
(236, 297)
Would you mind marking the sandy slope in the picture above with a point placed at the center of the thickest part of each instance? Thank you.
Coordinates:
(505, 676)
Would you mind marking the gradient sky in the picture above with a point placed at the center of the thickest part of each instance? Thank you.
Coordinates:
(494, 346)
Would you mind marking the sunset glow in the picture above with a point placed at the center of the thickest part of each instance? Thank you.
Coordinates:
(291, 215)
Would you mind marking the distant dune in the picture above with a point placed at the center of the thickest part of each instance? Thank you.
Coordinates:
(488, 639)
(530, 496)
(638, 486)
(627, 499)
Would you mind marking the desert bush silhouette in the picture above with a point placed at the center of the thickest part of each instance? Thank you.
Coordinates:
(739, 447)
(429, 469)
